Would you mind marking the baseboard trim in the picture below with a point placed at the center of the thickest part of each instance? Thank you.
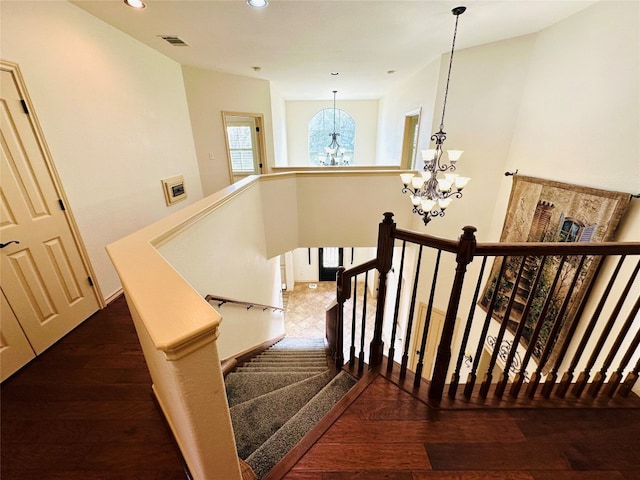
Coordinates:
(114, 296)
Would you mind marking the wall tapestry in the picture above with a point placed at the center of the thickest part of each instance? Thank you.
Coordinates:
(548, 211)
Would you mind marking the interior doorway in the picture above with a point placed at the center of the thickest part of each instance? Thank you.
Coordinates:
(244, 138)
(410, 139)
(47, 285)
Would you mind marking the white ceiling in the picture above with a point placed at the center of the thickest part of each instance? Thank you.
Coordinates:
(298, 43)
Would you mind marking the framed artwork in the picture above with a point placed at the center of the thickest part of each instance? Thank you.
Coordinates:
(549, 211)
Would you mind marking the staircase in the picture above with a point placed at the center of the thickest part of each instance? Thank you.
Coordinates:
(277, 397)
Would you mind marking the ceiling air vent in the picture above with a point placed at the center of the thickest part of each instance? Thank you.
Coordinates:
(174, 40)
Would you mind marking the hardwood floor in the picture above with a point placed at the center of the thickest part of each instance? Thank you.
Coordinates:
(387, 434)
(84, 410)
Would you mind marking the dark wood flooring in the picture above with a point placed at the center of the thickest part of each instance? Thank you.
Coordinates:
(84, 410)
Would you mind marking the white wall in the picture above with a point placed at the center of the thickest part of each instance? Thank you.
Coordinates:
(299, 113)
(418, 92)
(224, 254)
(209, 94)
(279, 119)
(562, 104)
(114, 115)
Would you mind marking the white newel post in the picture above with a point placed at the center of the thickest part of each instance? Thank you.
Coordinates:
(188, 383)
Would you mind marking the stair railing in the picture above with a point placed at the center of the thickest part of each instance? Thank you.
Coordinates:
(521, 315)
(249, 305)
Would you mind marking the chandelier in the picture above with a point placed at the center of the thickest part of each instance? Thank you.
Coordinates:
(335, 153)
(430, 194)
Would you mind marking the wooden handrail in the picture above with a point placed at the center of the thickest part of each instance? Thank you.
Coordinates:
(222, 300)
(522, 248)
(466, 249)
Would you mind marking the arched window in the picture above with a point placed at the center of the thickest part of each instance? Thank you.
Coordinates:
(321, 128)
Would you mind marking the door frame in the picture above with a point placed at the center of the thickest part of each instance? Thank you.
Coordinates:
(260, 147)
(411, 128)
(14, 70)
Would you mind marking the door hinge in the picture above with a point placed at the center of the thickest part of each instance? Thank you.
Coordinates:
(90, 281)
(61, 203)
(24, 106)
(260, 165)
(257, 129)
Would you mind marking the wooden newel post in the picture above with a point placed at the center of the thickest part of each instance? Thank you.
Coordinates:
(342, 293)
(466, 249)
(386, 232)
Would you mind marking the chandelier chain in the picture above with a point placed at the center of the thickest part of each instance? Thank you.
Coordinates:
(446, 89)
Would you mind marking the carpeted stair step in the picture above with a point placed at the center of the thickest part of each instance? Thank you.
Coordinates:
(243, 386)
(283, 368)
(263, 459)
(255, 420)
(319, 361)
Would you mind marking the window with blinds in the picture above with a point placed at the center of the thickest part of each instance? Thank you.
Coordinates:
(241, 148)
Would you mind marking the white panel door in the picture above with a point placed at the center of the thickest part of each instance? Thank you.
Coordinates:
(42, 272)
(15, 350)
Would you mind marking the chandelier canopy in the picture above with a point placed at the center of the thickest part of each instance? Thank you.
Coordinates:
(431, 195)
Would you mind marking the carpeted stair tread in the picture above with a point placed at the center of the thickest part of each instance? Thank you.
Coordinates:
(291, 353)
(278, 445)
(287, 359)
(283, 368)
(243, 386)
(255, 420)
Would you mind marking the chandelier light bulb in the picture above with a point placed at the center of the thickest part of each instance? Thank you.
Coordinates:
(406, 178)
(461, 182)
(454, 155)
(429, 155)
(417, 182)
(428, 204)
(445, 202)
(444, 185)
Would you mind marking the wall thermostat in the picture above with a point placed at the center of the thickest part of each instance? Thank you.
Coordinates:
(174, 190)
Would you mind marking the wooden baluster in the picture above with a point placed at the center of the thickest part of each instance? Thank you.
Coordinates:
(599, 378)
(455, 377)
(363, 328)
(630, 381)
(396, 309)
(407, 337)
(583, 378)
(486, 383)
(352, 348)
(552, 376)
(464, 256)
(557, 323)
(616, 377)
(502, 384)
(521, 375)
(471, 378)
(427, 322)
(386, 231)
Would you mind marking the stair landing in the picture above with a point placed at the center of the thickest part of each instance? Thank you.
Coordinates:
(388, 434)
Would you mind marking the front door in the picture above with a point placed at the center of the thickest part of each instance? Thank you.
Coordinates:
(43, 274)
(330, 258)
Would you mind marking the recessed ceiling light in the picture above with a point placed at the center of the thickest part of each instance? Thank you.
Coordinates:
(390, 72)
(139, 4)
(257, 3)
